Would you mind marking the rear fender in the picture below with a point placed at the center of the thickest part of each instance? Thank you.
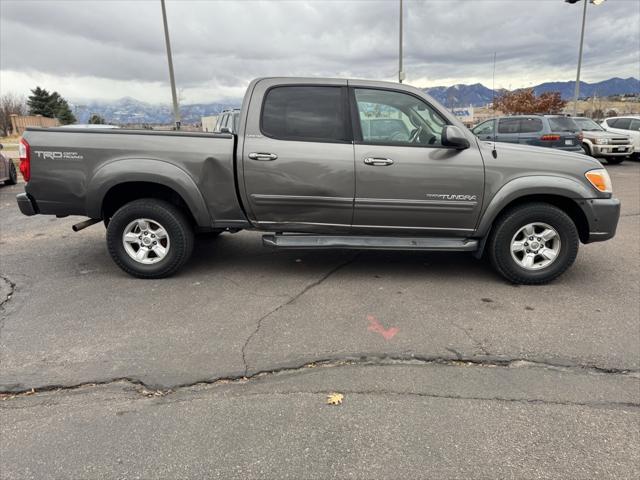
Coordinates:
(151, 171)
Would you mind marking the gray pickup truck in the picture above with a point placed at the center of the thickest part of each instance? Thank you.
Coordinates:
(324, 163)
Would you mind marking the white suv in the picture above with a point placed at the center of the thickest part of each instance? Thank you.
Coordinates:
(628, 125)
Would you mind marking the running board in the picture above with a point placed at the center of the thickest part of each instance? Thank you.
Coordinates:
(369, 242)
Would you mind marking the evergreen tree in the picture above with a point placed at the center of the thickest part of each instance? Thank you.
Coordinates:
(51, 105)
(96, 119)
(64, 113)
(39, 103)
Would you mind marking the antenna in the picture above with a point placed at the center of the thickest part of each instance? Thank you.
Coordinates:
(494, 152)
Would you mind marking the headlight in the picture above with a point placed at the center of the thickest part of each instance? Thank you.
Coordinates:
(600, 180)
(602, 141)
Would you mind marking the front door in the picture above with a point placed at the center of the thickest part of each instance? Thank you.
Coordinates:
(405, 177)
(298, 156)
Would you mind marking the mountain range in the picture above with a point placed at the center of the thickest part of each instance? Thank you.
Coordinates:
(131, 111)
(478, 95)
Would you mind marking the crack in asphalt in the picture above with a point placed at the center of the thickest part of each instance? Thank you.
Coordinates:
(149, 390)
(12, 289)
(473, 339)
(289, 302)
(3, 303)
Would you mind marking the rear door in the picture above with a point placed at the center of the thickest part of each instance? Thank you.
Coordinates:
(405, 178)
(531, 129)
(297, 158)
(508, 130)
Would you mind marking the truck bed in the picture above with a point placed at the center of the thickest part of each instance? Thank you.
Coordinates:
(72, 170)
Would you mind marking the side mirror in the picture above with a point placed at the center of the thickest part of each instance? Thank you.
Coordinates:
(452, 136)
(225, 130)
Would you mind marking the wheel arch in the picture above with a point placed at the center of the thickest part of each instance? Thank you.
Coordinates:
(563, 193)
(122, 181)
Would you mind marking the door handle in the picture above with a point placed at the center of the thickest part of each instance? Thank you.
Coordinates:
(378, 162)
(264, 157)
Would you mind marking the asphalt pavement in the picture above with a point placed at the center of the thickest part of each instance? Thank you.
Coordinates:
(222, 371)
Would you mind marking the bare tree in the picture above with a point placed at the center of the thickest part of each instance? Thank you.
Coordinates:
(10, 104)
(525, 102)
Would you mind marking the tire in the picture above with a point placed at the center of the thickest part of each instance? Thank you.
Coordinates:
(158, 216)
(615, 160)
(587, 150)
(13, 174)
(507, 232)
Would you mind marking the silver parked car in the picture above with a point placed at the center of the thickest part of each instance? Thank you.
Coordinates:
(8, 173)
(628, 125)
(597, 142)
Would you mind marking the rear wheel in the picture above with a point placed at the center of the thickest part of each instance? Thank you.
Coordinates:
(150, 238)
(13, 175)
(533, 243)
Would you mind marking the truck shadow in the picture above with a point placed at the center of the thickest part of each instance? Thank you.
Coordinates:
(245, 252)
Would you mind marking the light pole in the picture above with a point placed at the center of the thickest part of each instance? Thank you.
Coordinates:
(576, 92)
(400, 71)
(176, 110)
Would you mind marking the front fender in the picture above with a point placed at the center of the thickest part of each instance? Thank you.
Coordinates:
(150, 171)
(530, 185)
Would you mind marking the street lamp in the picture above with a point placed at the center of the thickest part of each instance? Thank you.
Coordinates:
(400, 71)
(576, 92)
(176, 110)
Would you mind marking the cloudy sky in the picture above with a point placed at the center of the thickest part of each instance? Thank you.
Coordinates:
(107, 49)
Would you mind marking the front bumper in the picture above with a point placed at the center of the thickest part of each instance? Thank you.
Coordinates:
(612, 150)
(27, 204)
(602, 216)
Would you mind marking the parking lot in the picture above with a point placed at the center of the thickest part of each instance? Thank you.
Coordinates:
(223, 370)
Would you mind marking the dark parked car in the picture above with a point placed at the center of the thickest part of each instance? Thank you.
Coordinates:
(8, 173)
(553, 131)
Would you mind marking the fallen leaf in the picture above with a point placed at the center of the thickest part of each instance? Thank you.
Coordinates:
(334, 398)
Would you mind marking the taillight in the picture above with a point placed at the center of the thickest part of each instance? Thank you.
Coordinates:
(25, 159)
(580, 136)
(550, 138)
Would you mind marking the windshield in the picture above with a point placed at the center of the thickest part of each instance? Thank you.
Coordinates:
(563, 124)
(588, 125)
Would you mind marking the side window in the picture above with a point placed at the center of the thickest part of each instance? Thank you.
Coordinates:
(396, 118)
(485, 128)
(530, 125)
(635, 125)
(622, 123)
(305, 113)
(508, 125)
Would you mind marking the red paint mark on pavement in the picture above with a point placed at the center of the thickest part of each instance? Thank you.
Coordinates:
(376, 327)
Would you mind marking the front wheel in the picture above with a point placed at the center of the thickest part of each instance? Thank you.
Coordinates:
(615, 160)
(150, 238)
(533, 244)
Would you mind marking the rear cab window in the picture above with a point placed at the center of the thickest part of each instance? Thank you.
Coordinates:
(306, 113)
